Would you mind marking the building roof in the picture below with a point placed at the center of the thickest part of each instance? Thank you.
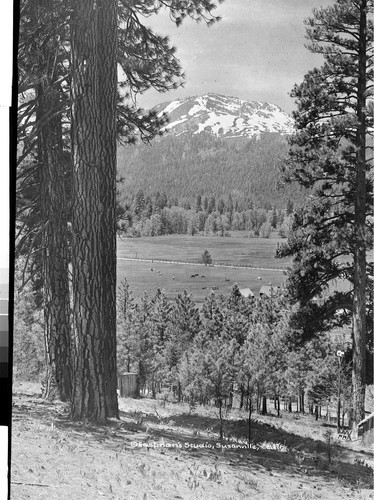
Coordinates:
(246, 292)
(269, 290)
(369, 417)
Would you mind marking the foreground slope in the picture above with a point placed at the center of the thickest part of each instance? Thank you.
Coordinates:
(55, 459)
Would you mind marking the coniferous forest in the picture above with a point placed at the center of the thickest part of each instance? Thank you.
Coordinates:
(187, 166)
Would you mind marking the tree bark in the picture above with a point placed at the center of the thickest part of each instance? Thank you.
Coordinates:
(264, 410)
(302, 399)
(241, 397)
(220, 419)
(108, 123)
(249, 421)
(93, 397)
(54, 206)
(359, 279)
(55, 257)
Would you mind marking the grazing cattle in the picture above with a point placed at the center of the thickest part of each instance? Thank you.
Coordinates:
(259, 278)
(151, 268)
(227, 279)
(172, 278)
(194, 275)
(202, 276)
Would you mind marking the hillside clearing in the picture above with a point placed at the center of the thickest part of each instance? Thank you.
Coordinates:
(53, 458)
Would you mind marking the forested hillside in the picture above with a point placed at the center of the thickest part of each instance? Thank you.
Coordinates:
(191, 165)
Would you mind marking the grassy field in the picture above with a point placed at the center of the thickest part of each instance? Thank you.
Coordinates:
(237, 249)
(174, 278)
(157, 451)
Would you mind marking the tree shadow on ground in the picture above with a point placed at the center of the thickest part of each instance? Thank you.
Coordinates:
(197, 436)
(260, 431)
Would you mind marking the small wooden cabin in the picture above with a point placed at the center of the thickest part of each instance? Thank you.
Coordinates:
(246, 293)
(269, 291)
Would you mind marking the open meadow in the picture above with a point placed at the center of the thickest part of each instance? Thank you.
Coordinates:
(255, 255)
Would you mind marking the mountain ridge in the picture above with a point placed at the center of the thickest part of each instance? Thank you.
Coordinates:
(213, 145)
(223, 116)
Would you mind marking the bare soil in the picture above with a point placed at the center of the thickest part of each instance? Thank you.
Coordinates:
(170, 451)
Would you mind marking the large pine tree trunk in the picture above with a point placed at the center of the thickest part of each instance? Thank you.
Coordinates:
(55, 257)
(108, 121)
(359, 297)
(95, 378)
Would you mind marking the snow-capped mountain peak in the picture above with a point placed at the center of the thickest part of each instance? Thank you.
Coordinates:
(224, 116)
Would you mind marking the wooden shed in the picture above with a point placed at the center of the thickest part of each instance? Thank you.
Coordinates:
(128, 385)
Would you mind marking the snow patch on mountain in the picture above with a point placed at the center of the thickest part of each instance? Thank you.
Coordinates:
(172, 106)
(224, 116)
(175, 123)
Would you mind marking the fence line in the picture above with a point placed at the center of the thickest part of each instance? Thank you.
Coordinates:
(230, 266)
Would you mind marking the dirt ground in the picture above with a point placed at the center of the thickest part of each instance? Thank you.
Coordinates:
(158, 451)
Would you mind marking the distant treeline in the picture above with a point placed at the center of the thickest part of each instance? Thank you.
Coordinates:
(157, 215)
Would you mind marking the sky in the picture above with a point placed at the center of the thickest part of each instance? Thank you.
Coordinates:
(256, 52)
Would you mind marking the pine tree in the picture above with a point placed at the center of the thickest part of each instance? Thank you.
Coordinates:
(221, 206)
(330, 155)
(42, 75)
(139, 203)
(219, 368)
(94, 37)
(160, 326)
(273, 218)
(94, 91)
(28, 338)
(198, 205)
(205, 203)
(246, 378)
(186, 323)
(212, 204)
(125, 319)
(230, 209)
(330, 382)
(206, 258)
